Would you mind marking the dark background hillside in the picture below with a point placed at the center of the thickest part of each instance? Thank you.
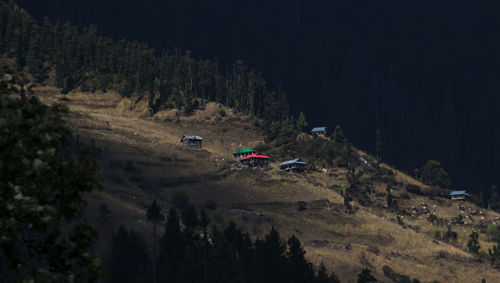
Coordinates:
(426, 73)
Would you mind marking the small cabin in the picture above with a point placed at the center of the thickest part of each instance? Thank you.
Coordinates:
(192, 141)
(242, 153)
(255, 160)
(459, 195)
(295, 165)
(319, 131)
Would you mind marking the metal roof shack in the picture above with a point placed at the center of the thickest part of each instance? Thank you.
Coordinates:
(297, 165)
(192, 141)
(256, 160)
(319, 131)
(459, 195)
(243, 152)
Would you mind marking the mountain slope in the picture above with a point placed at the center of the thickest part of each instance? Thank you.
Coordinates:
(142, 159)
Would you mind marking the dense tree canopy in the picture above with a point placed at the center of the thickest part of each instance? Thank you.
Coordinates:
(188, 253)
(42, 233)
(87, 59)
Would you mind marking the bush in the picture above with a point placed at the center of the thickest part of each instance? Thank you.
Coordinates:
(301, 205)
(394, 276)
(433, 192)
(493, 233)
(433, 174)
(222, 112)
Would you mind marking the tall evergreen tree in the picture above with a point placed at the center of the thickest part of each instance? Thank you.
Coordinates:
(301, 123)
(156, 217)
(130, 260)
(378, 145)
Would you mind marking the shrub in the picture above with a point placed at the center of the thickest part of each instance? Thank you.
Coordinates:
(394, 276)
(433, 174)
(493, 233)
(301, 205)
(222, 112)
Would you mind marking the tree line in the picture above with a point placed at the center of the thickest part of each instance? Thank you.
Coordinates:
(190, 250)
(87, 59)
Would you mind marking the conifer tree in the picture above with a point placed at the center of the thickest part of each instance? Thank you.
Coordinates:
(494, 202)
(171, 257)
(389, 197)
(156, 217)
(270, 257)
(300, 270)
(378, 145)
(130, 260)
(301, 122)
(338, 136)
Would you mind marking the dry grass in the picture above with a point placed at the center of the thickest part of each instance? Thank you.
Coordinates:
(344, 242)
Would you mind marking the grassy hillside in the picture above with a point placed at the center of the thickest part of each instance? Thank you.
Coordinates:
(141, 159)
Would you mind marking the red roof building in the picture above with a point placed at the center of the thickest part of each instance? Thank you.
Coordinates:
(256, 160)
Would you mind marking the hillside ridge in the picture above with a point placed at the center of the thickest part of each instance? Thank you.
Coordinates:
(142, 159)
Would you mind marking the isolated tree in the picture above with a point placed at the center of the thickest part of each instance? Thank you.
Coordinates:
(494, 202)
(378, 145)
(41, 190)
(494, 253)
(338, 136)
(473, 243)
(389, 197)
(156, 217)
(450, 235)
(301, 122)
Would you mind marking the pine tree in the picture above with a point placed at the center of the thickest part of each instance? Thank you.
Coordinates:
(378, 145)
(300, 270)
(130, 260)
(301, 123)
(494, 202)
(171, 257)
(338, 136)
(156, 217)
(389, 197)
(270, 261)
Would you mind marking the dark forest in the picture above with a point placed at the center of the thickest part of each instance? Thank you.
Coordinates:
(423, 73)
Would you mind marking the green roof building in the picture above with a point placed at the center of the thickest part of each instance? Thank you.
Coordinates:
(243, 152)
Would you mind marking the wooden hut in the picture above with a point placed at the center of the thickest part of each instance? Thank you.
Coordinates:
(242, 153)
(319, 131)
(459, 195)
(295, 165)
(192, 141)
(256, 160)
